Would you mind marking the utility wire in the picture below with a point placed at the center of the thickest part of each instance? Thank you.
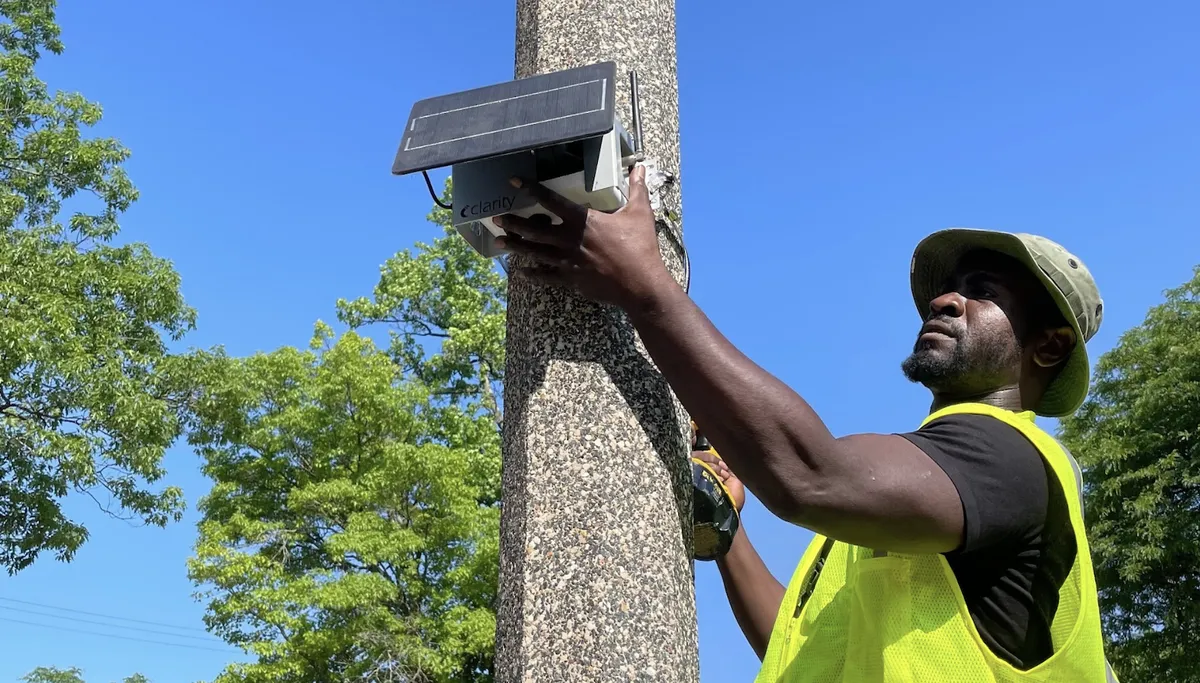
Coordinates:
(109, 635)
(105, 616)
(208, 639)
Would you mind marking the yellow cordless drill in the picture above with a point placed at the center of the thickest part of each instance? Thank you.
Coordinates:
(715, 517)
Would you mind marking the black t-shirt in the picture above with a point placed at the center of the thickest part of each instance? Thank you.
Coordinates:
(1018, 545)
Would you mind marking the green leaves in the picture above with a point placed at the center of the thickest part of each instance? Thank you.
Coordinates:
(1138, 437)
(445, 310)
(352, 529)
(51, 674)
(89, 397)
(29, 28)
(338, 513)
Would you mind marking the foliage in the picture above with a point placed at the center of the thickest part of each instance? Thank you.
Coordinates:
(86, 399)
(445, 294)
(51, 674)
(1138, 437)
(352, 531)
(44, 674)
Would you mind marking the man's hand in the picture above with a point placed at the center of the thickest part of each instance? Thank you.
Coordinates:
(611, 258)
(727, 477)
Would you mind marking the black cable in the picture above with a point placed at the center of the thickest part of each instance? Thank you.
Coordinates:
(436, 199)
(677, 238)
(687, 259)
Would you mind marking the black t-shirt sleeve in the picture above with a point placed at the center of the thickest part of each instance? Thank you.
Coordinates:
(999, 474)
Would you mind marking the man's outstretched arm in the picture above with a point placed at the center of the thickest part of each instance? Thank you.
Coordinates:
(877, 491)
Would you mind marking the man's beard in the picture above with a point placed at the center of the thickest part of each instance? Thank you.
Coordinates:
(971, 364)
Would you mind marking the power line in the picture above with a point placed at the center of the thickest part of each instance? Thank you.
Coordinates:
(208, 639)
(105, 616)
(109, 635)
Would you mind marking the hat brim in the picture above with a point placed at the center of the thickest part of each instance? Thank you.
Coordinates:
(934, 262)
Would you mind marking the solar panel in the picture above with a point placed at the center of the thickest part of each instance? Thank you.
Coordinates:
(519, 115)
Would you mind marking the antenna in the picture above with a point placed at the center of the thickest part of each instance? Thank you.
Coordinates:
(637, 114)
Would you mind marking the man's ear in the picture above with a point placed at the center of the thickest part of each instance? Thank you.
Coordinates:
(1053, 346)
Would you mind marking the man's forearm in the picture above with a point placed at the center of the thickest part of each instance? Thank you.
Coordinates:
(754, 594)
(769, 435)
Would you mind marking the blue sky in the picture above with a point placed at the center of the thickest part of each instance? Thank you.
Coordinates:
(821, 141)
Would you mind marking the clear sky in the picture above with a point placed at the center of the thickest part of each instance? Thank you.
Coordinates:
(821, 141)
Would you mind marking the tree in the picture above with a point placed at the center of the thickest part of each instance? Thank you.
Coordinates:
(352, 530)
(446, 294)
(51, 674)
(1138, 438)
(86, 399)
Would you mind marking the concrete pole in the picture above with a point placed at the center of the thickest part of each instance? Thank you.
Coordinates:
(596, 572)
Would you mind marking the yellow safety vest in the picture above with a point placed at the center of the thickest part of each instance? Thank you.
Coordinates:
(873, 617)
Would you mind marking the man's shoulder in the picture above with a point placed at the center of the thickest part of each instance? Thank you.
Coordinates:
(1000, 476)
(975, 432)
(982, 445)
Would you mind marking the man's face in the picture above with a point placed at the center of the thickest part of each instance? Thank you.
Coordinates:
(972, 340)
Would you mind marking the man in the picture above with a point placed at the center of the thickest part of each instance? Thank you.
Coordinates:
(952, 553)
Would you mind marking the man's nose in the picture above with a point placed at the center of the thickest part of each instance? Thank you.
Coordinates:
(950, 304)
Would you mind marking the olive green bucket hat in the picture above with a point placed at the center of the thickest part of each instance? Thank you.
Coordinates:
(1064, 276)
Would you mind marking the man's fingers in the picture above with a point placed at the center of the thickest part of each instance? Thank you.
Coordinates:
(538, 229)
(562, 207)
(715, 462)
(638, 192)
(708, 458)
(546, 275)
(539, 252)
